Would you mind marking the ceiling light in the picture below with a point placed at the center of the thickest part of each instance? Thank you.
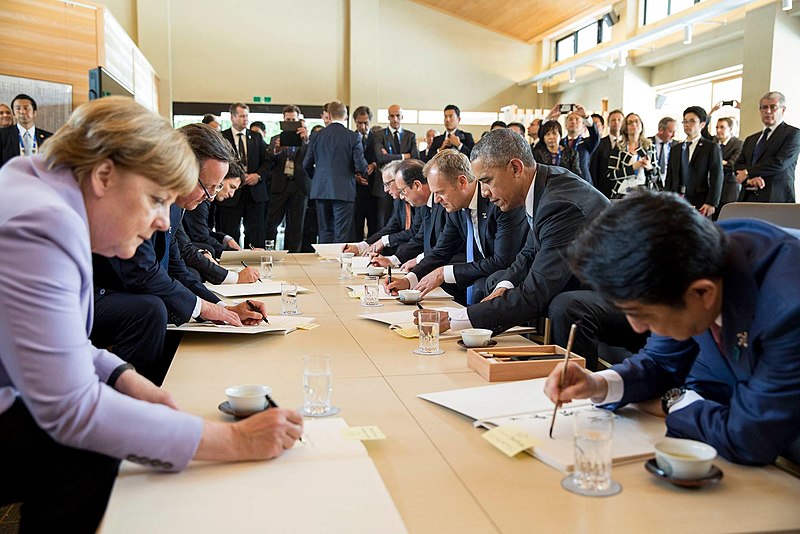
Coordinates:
(539, 88)
(572, 75)
(786, 5)
(623, 58)
(687, 34)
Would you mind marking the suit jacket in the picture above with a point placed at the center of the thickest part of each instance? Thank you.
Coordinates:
(278, 177)
(776, 164)
(334, 156)
(730, 154)
(585, 146)
(395, 224)
(751, 411)
(257, 162)
(10, 142)
(196, 225)
(662, 173)
(569, 158)
(467, 142)
(194, 259)
(563, 205)
(55, 370)
(155, 269)
(703, 184)
(598, 166)
(501, 234)
(383, 141)
(428, 233)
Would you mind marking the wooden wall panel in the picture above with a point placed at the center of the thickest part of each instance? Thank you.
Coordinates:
(49, 40)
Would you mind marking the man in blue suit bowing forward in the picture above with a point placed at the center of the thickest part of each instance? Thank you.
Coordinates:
(335, 154)
(722, 304)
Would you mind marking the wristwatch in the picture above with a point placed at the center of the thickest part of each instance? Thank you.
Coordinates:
(671, 397)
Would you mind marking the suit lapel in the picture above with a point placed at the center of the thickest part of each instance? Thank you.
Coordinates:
(483, 214)
(740, 294)
(539, 182)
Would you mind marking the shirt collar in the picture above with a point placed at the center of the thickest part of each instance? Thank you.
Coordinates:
(473, 204)
(771, 128)
(342, 122)
(236, 132)
(392, 130)
(430, 201)
(22, 130)
(530, 198)
(446, 132)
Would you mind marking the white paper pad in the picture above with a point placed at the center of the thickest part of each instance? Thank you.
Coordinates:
(436, 294)
(272, 287)
(251, 256)
(405, 319)
(300, 491)
(329, 250)
(278, 324)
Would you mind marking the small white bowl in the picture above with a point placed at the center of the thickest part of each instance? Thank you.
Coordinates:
(684, 459)
(476, 337)
(373, 270)
(409, 295)
(248, 398)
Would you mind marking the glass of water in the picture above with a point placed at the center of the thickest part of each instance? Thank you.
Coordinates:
(591, 476)
(318, 386)
(371, 292)
(428, 321)
(289, 299)
(269, 244)
(346, 260)
(266, 266)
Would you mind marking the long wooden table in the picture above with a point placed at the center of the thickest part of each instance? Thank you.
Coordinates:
(441, 475)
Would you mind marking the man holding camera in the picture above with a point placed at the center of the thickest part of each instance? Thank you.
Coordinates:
(578, 121)
(290, 183)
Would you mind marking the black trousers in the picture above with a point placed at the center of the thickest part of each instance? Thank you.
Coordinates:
(290, 203)
(61, 489)
(366, 211)
(253, 213)
(134, 327)
(599, 323)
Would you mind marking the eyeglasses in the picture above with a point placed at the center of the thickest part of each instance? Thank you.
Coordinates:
(387, 185)
(689, 121)
(769, 107)
(403, 190)
(217, 189)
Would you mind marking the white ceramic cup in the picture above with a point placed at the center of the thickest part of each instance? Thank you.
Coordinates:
(409, 295)
(684, 458)
(248, 398)
(476, 337)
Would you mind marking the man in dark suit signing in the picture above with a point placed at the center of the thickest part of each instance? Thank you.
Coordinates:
(24, 138)
(695, 169)
(335, 155)
(557, 204)
(250, 201)
(452, 136)
(487, 235)
(766, 165)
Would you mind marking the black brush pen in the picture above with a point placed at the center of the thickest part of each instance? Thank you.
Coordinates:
(253, 308)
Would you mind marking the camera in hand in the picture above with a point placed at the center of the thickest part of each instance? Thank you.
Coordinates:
(566, 108)
(289, 135)
(728, 102)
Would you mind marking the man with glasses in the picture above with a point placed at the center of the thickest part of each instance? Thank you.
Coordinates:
(136, 298)
(400, 226)
(695, 168)
(766, 165)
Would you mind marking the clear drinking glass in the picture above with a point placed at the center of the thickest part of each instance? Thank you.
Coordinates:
(371, 292)
(346, 260)
(289, 299)
(269, 244)
(317, 385)
(428, 321)
(266, 266)
(591, 476)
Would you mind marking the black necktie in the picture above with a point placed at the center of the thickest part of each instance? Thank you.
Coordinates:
(684, 166)
(760, 145)
(396, 142)
(661, 161)
(242, 156)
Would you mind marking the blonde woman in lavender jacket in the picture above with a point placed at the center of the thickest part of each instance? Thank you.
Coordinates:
(69, 411)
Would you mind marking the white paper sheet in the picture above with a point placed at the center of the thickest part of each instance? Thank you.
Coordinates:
(271, 287)
(252, 257)
(300, 491)
(278, 324)
(405, 319)
(436, 294)
(329, 250)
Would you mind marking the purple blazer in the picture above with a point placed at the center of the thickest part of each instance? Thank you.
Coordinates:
(45, 319)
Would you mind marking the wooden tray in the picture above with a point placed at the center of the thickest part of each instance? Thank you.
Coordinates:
(498, 366)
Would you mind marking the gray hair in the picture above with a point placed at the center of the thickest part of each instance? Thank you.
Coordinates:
(775, 95)
(663, 123)
(498, 147)
(390, 167)
(451, 164)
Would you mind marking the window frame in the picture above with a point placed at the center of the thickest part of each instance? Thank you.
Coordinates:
(669, 10)
(574, 36)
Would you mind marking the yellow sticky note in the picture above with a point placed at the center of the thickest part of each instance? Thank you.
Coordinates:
(363, 433)
(409, 333)
(510, 439)
(307, 326)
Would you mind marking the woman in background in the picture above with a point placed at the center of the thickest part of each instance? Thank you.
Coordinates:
(630, 165)
(548, 151)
